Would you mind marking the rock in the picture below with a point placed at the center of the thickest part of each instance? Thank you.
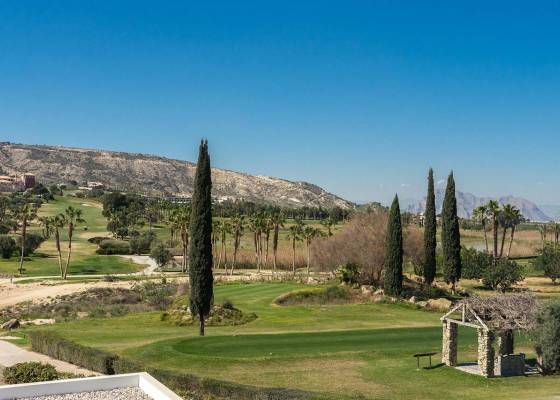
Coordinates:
(439, 304)
(311, 281)
(367, 289)
(38, 322)
(422, 303)
(82, 314)
(379, 292)
(11, 324)
(412, 299)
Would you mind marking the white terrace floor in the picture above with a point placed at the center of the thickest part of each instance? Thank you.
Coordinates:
(472, 368)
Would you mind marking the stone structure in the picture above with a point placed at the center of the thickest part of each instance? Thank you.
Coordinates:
(486, 352)
(510, 364)
(449, 345)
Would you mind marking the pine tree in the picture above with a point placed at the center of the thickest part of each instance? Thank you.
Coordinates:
(450, 236)
(394, 251)
(430, 228)
(200, 255)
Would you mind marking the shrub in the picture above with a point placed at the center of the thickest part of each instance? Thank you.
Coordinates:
(474, 263)
(548, 261)
(160, 255)
(326, 295)
(157, 295)
(97, 239)
(503, 275)
(7, 246)
(228, 304)
(140, 244)
(32, 243)
(547, 339)
(348, 274)
(110, 246)
(51, 344)
(28, 372)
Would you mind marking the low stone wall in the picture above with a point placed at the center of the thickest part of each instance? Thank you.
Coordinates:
(510, 364)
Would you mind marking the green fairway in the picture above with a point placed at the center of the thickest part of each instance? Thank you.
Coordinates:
(346, 351)
(84, 260)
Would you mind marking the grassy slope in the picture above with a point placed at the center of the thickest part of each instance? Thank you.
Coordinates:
(84, 259)
(348, 350)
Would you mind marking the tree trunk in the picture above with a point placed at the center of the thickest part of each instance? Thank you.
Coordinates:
(267, 240)
(503, 242)
(308, 257)
(294, 257)
(201, 330)
(23, 236)
(511, 241)
(485, 236)
(57, 240)
(70, 232)
(495, 236)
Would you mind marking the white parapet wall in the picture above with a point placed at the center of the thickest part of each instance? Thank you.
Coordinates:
(148, 384)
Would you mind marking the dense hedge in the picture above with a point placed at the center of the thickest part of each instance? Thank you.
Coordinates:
(29, 372)
(55, 346)
(110, 246)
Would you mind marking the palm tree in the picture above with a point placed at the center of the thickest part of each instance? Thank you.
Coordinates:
(294, 234)
(268, 226)
(24, 213)
(73, 216)
(556, 231)
(179, 219)
(481, 214)
(515, 219)
(309, 233)
(277, 221)
(224, 230)
(329, 223)
(494, 211)
(543, 229)
(506, 221)
(237, 227)
(215, 237)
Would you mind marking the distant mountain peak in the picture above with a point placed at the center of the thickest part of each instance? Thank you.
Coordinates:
(467, 202)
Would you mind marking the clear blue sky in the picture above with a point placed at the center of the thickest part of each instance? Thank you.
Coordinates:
(360, 97)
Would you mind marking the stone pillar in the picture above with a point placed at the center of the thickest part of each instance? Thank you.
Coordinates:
(486, 352)
(449, 344)
(505, 341)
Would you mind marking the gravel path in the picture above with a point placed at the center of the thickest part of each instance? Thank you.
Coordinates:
(115, 394)
(151, 265)
(11, 354)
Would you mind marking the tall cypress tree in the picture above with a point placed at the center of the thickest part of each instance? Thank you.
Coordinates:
(450, 236)
(430, 227)
(200, 254)
(394, 252)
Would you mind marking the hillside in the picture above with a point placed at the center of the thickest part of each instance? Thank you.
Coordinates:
(466, 202)
(155, 175)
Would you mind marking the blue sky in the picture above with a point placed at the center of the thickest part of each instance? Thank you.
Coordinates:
(360, 97)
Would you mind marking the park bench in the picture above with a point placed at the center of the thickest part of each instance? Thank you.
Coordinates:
(420, 355)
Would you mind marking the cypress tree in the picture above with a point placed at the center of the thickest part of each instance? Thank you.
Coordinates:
(450, 236)
(394, 251)
(430, 227)
(200, 255)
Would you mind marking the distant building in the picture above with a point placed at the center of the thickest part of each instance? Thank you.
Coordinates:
(95, 185)
(13, 183)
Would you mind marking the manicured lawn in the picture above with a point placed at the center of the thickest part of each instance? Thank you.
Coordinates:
(346, 351)
(84, 259)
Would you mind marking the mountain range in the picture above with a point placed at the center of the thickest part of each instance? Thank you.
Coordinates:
(154, 175)
(467, 202)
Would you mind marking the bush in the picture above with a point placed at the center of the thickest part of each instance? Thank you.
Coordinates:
(32, 243)
(97, 239)
(30, 372)
(348, 274)
(503, 275)
(51, 344)
(110, 246)
(327, 295)
(158, 295)
(474, 263)
(547, 339)
(7, 246)
(141, 244)
(160, 255)
(548, 261)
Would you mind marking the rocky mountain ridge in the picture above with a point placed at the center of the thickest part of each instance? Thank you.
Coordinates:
(156, 175)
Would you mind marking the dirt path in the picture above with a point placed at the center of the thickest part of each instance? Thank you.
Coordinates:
(11, 294)
(11, 354)
(151, 265)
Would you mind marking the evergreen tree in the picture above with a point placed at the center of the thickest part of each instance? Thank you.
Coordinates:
(394, 252)
(430, 227)
(200, 255)
(450, 236)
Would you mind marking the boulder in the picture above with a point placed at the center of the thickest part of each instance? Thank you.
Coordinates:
(439, 304)
(367, 289)
(379, 292)
(11, 324)
(311, 281)
(412, 299)
(38, 322)
(422, 303)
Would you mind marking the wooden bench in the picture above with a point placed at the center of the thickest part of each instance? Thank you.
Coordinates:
(419, 355)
